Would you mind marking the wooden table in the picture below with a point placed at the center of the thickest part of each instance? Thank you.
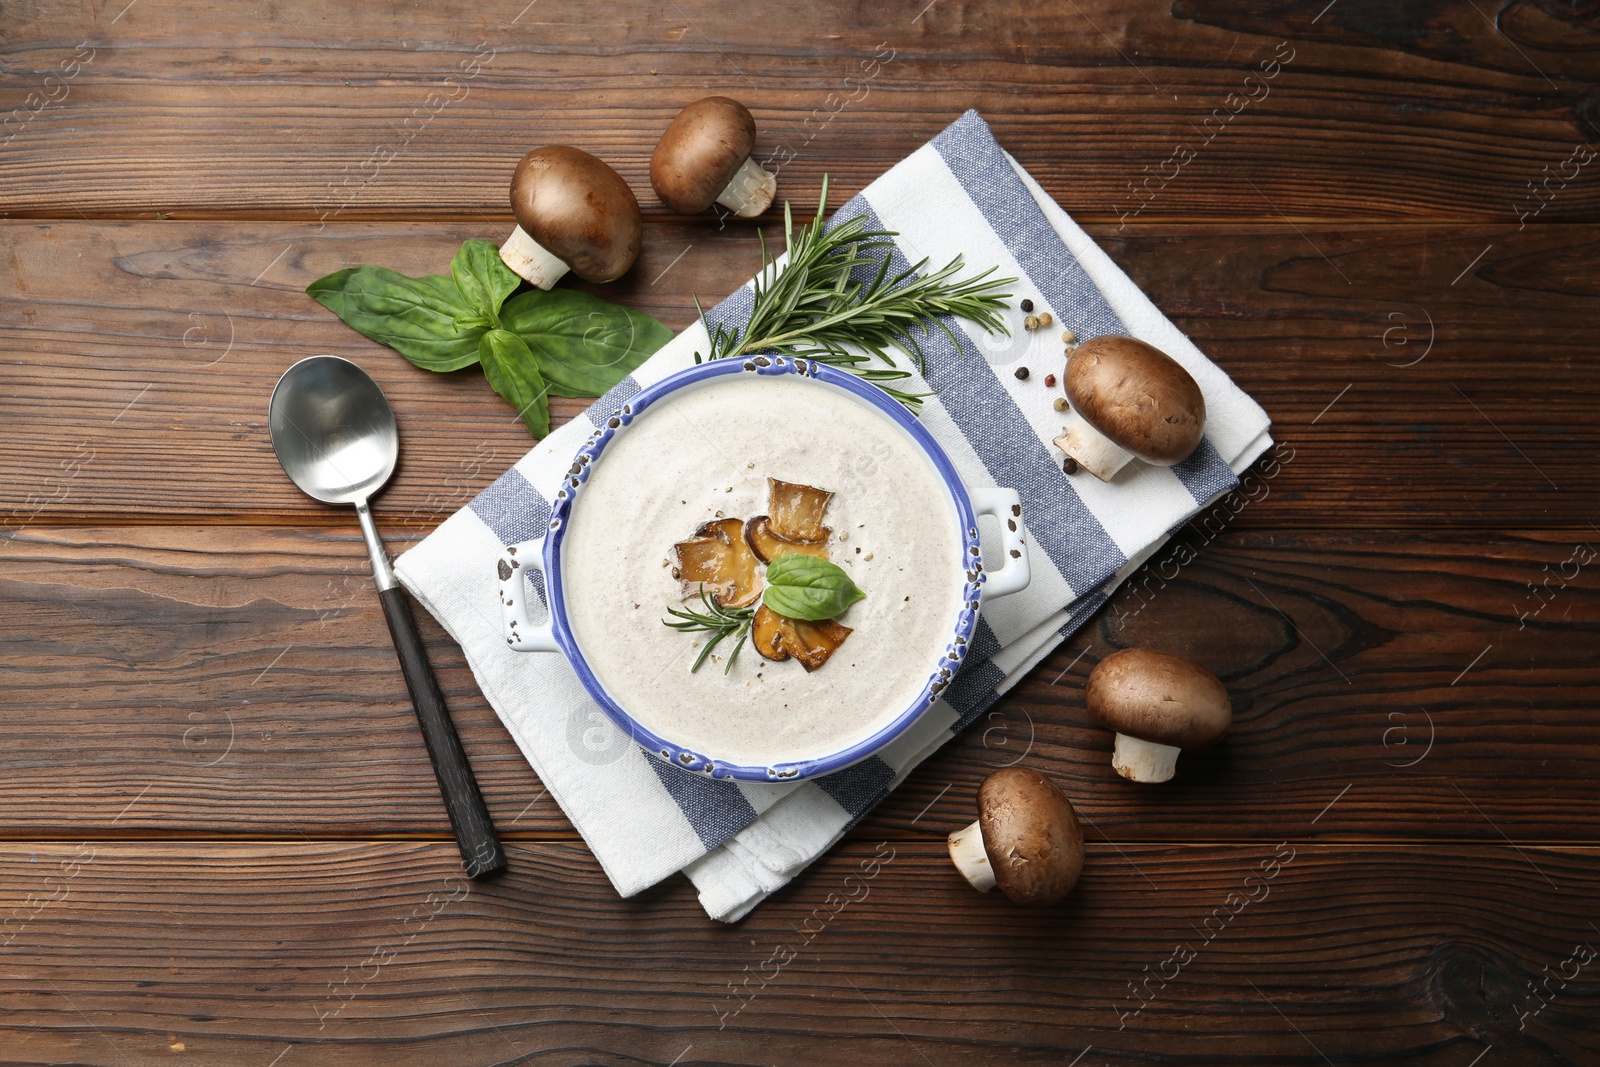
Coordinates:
(222, 842)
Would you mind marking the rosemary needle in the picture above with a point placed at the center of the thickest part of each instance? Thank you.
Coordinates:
(716, 619)
(834, 301)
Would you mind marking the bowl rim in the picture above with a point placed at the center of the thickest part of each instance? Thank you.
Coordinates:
(939, 677)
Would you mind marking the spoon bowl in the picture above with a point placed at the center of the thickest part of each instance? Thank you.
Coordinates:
(333, 430)
(335, 434)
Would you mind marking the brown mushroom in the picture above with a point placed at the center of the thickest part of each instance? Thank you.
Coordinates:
(766, 635)
(1129, 399)
(718, 560)
(768, 546)
(797, 510)
(1027, 839)
(1158, 704)
(573, 212)
(704, 156)
(811, 643)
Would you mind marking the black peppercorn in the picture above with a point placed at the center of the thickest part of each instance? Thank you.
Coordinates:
(1022, 373)
(1027, 306)
(1069, 466)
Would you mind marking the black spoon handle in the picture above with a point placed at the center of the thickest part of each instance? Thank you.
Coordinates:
(480, 847)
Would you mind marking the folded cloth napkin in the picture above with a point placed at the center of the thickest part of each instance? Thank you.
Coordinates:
(961, 194)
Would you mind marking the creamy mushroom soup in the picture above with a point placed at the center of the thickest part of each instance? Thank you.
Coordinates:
(707, 452)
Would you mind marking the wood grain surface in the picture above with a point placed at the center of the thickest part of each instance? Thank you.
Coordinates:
(220, 836)
(339, 952)
(293, 109)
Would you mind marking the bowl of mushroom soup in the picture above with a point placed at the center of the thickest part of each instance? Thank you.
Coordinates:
(812, 520)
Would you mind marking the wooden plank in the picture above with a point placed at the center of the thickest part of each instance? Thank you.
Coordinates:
(218, 680)
(1410, 368)
(1116, 108)
(124, 954)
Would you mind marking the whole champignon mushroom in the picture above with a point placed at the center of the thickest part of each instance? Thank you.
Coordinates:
(573, 212)
(1027, 839)
(704, 156)
(1129, 399)
(1158, 704)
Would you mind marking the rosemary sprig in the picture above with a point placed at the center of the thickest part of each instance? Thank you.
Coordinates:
(835, 302)
(716, 619)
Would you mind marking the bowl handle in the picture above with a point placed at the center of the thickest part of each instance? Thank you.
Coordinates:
(1015, 573)
(522, 633)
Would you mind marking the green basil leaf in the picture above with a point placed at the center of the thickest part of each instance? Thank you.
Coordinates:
(805, 587)
(483, 279)
(514, 373)
(584, 345)
(421, 318)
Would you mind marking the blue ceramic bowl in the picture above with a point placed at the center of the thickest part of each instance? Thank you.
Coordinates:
(554, 634)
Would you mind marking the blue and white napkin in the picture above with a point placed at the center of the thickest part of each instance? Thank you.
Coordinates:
(961, 194)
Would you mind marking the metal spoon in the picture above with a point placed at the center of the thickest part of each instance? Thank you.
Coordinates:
(334, 433)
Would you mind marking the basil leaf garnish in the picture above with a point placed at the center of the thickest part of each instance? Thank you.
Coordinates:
(533, 346)
(808, 588)
(483, 279)
(514, 373)
(416, 317)
(584, 345)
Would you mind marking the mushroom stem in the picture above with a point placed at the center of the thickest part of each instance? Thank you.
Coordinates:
(750, 191)
(531, 260)
(1094, 451)
(968, 854)
(1144, 761)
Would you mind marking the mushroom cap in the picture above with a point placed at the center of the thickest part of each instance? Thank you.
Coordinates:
(1158, 697)
(1031, 835)
(579, 210)
(700, 152)
(1138, 396)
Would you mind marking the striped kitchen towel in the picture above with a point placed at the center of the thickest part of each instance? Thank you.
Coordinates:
(961, 194)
